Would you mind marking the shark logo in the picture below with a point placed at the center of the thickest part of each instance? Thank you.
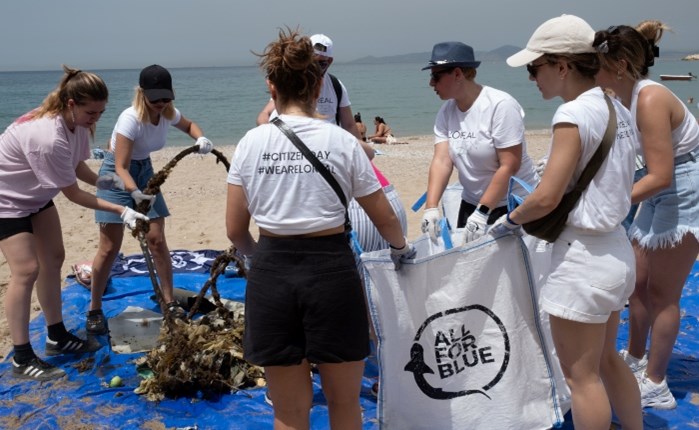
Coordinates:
(463, 362)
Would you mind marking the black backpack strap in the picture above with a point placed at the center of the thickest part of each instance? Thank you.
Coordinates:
(338, 93)
(320, 167)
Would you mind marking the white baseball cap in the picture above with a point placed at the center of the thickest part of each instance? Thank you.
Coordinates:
(322, 45)
(566, 34)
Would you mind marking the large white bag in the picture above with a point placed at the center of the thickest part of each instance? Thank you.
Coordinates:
(460, 343)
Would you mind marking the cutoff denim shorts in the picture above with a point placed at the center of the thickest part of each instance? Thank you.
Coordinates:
(664, 219)
(141, 171)
(592, 275)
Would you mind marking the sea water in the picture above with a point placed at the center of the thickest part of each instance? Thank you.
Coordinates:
(225, 101)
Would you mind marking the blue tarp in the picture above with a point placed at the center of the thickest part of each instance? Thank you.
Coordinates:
(84, 400)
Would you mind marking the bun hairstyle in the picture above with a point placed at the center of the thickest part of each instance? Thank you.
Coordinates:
(289, 63)
(637, 46)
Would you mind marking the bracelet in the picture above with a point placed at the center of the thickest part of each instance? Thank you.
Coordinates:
(507, 217)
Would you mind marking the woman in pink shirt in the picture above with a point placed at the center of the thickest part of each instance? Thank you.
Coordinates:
(42, 153)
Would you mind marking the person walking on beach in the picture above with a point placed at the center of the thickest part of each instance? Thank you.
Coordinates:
(480, 131)
(304, 297)
(42, 153)
(665, 231)
(140, 130)
(592, 260)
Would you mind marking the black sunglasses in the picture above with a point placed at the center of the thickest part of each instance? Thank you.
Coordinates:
(156, 101)
(533, 69)
(324, 64)
(437, 75)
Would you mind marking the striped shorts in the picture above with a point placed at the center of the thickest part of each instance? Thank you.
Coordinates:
(368, 236)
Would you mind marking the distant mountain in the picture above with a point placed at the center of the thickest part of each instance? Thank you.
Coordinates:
(499, 54)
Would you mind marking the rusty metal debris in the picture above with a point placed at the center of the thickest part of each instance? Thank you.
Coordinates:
(203, 357)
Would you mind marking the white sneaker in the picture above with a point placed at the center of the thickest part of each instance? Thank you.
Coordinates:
(656, 395)
(637, 365)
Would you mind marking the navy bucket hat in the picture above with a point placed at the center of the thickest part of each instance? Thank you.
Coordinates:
(452, 54)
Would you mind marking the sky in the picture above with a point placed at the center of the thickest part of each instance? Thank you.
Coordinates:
(130, 34)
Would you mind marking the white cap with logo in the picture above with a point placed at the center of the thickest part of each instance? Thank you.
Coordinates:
(565, 34)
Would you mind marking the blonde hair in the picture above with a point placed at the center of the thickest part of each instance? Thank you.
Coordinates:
(289, 63)
(652, 30)
(81, 87)
(142, 111)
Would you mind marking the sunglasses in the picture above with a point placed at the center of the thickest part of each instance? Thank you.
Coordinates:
(437, 75)
(156, 101)
(533, 69)
(323, 64)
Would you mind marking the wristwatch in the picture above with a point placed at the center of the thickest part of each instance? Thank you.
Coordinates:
(485, 210)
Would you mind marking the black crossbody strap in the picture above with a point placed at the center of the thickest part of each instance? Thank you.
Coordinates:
(320, 167)
(602, 150)
(298, 143)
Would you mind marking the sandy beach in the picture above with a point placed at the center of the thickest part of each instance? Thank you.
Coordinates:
(196, 195)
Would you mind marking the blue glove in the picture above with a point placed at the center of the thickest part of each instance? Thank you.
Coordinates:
(504, 226)
(400, 255)
(108, 181)
(476, 226)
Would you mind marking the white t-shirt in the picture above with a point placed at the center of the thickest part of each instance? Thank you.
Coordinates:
(37, 159)
(286, 195)
(146, 137)
(495, 120)
(685, 137)
(327, 101)
(607, 199)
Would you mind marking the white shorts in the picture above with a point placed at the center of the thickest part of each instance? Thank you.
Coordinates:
(592, 275)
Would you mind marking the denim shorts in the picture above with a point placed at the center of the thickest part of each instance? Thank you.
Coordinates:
(664, 219)
(304, 299)
(592, 275)
(141, 171)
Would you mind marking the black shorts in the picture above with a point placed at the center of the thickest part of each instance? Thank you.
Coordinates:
(12, 226)
(304, 299)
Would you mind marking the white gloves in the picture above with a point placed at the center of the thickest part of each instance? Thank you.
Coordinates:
(205, 145)
(399, 255)
(540, 166)
(476, 226)
(138, 197)
(129, 216)
(503, 226)
(430, 223)
(109, 181)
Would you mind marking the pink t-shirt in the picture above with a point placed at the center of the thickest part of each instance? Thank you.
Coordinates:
(38, 158)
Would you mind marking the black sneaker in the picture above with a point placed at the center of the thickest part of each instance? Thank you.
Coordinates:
(71, 345)
(96, 324)
(37, 370)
